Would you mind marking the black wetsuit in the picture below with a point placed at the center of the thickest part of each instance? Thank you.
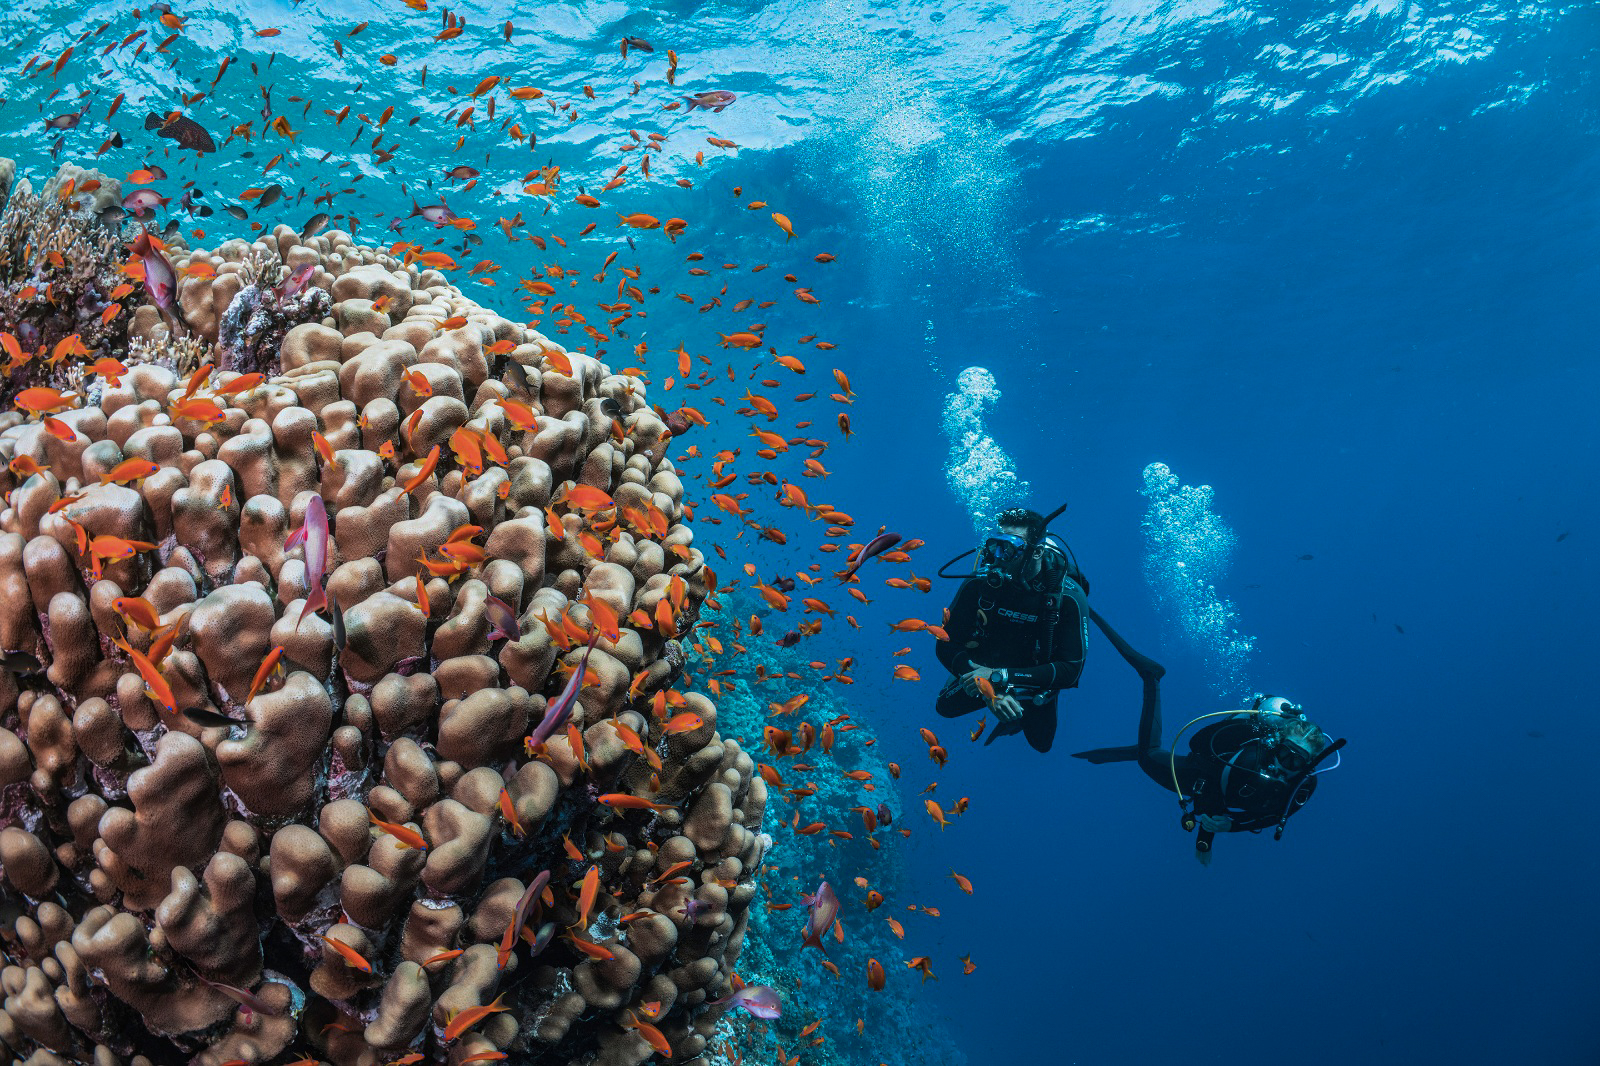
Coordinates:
(1038, 634)
(1219, 771)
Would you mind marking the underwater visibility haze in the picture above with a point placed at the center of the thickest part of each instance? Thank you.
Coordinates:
(599, 345)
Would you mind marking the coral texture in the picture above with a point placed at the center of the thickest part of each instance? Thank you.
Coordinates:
(176, 887)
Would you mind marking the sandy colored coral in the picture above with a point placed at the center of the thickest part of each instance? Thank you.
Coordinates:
(153, 851)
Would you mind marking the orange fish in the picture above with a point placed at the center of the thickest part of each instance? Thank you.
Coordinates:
(128, 470)
(242, 383)
(463, 1020)
(115, 549)
(156, 686)
(509, 811)
(44, 401)
(623, 801)
(269, 665)
(404, 834)
(586, 896)
(588, 498)
(350, 954)
(418, 382)
(197, 410)
(425, 471)
(138, 611)
(443, 956)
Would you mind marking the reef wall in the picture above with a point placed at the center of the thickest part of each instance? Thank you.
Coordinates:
(172, 883)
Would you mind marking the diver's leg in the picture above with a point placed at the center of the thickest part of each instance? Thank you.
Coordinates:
(955, 701)
(1147, 750)
(1145, 666)
(1039, 725)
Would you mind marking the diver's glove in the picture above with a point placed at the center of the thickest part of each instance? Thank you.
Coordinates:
(1007, 708)
(996, 676)
(1216, 823)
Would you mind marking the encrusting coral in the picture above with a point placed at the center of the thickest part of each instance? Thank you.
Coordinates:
(272, 652)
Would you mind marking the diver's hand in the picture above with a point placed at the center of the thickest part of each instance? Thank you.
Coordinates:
(1007, 708)
(1216, 823)
(969, 680)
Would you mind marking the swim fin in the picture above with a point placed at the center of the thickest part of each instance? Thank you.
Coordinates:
(1104, 755)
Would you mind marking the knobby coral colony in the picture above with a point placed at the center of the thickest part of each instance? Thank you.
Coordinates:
(248, 815)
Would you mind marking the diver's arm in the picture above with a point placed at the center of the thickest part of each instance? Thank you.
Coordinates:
(953, 653)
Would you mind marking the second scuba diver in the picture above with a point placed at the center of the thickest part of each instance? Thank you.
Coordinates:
(1246, 771)
(1019, 623)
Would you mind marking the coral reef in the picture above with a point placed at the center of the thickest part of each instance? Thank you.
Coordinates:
(896, 1025)
(60, 259)
(271, 653)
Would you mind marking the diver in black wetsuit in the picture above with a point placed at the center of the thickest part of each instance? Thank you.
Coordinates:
(1247, 771)
(1020, 622)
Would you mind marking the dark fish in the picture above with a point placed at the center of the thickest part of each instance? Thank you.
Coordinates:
(1398, 629)
(339, 636)
(314, 225)
(186, 131)
(237, 212)
(1307, 558)
(461, 173)
(517, 374)
(20, 662)
(789, 639)
(782, 584)
(876, 546)
(269, 196)
(713, 101)
(112, 215)
(610, 407)
(885, 815)
(1560, 538)
(202, 717)
(637, 43)
(1537, 734)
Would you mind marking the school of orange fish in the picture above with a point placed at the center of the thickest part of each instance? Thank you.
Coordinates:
(561, 295)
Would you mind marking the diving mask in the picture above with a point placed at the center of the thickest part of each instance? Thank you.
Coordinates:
(1003, 553)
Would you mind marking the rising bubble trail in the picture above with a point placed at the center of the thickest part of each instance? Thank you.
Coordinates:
(979, 472)
(1187, 550)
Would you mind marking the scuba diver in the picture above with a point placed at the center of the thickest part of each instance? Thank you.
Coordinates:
(1020, 624)
(1247, 771)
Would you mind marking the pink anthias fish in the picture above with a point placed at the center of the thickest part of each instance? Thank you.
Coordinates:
(313, 534)
(502, 619)
(439, 214)
(876, 546)
(160, 279)
(760, 1000)
(555, 716)
(291, 285)
(824, 908)
(249, 1002)
(144, 200)
(713, 101)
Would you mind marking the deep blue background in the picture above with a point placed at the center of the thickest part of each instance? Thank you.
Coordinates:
(1341, 266)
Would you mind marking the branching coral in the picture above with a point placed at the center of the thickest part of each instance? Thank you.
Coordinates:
(207, 859)
(59, 265)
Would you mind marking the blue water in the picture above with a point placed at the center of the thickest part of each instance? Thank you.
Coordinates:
(1339, 265)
